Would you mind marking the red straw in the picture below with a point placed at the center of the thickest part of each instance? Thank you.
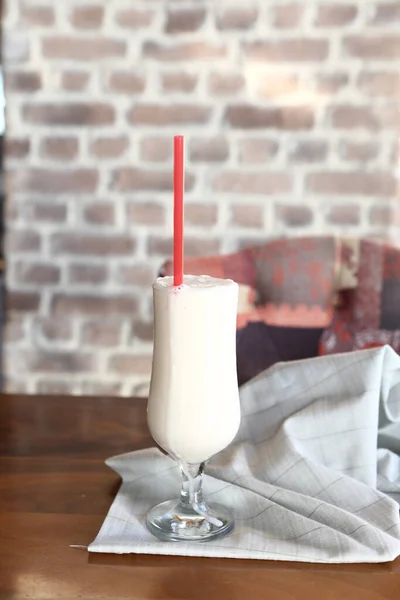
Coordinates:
(178, 209)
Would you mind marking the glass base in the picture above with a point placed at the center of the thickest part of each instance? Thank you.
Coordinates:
(175, 521)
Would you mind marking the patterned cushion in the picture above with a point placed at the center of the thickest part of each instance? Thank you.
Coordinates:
(369, 314)
(293, 280)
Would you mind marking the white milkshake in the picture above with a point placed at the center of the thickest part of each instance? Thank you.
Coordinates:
(193, 409)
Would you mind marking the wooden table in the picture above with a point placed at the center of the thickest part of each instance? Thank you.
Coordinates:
(55, 491)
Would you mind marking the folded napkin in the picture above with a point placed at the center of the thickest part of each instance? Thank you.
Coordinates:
(308, 476)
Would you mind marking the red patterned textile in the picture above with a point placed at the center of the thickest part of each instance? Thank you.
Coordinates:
(369, 314)
(290, 282)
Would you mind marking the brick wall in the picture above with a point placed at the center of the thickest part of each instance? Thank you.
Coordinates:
(291, 115)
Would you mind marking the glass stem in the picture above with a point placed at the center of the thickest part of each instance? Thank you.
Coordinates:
(192, 493)
(192, 479)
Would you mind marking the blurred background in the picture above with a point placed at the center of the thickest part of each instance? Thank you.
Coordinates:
(290, 111)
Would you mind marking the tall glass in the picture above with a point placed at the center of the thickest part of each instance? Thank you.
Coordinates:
(193, 409)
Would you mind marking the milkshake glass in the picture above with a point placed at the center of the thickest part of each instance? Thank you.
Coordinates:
(193, 408)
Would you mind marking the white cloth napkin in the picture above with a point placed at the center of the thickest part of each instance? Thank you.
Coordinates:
(305, 476)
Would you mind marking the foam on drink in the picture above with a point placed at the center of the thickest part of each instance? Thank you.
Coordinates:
(194, 409)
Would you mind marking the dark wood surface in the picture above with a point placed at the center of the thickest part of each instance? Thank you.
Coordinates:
(55, 491)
